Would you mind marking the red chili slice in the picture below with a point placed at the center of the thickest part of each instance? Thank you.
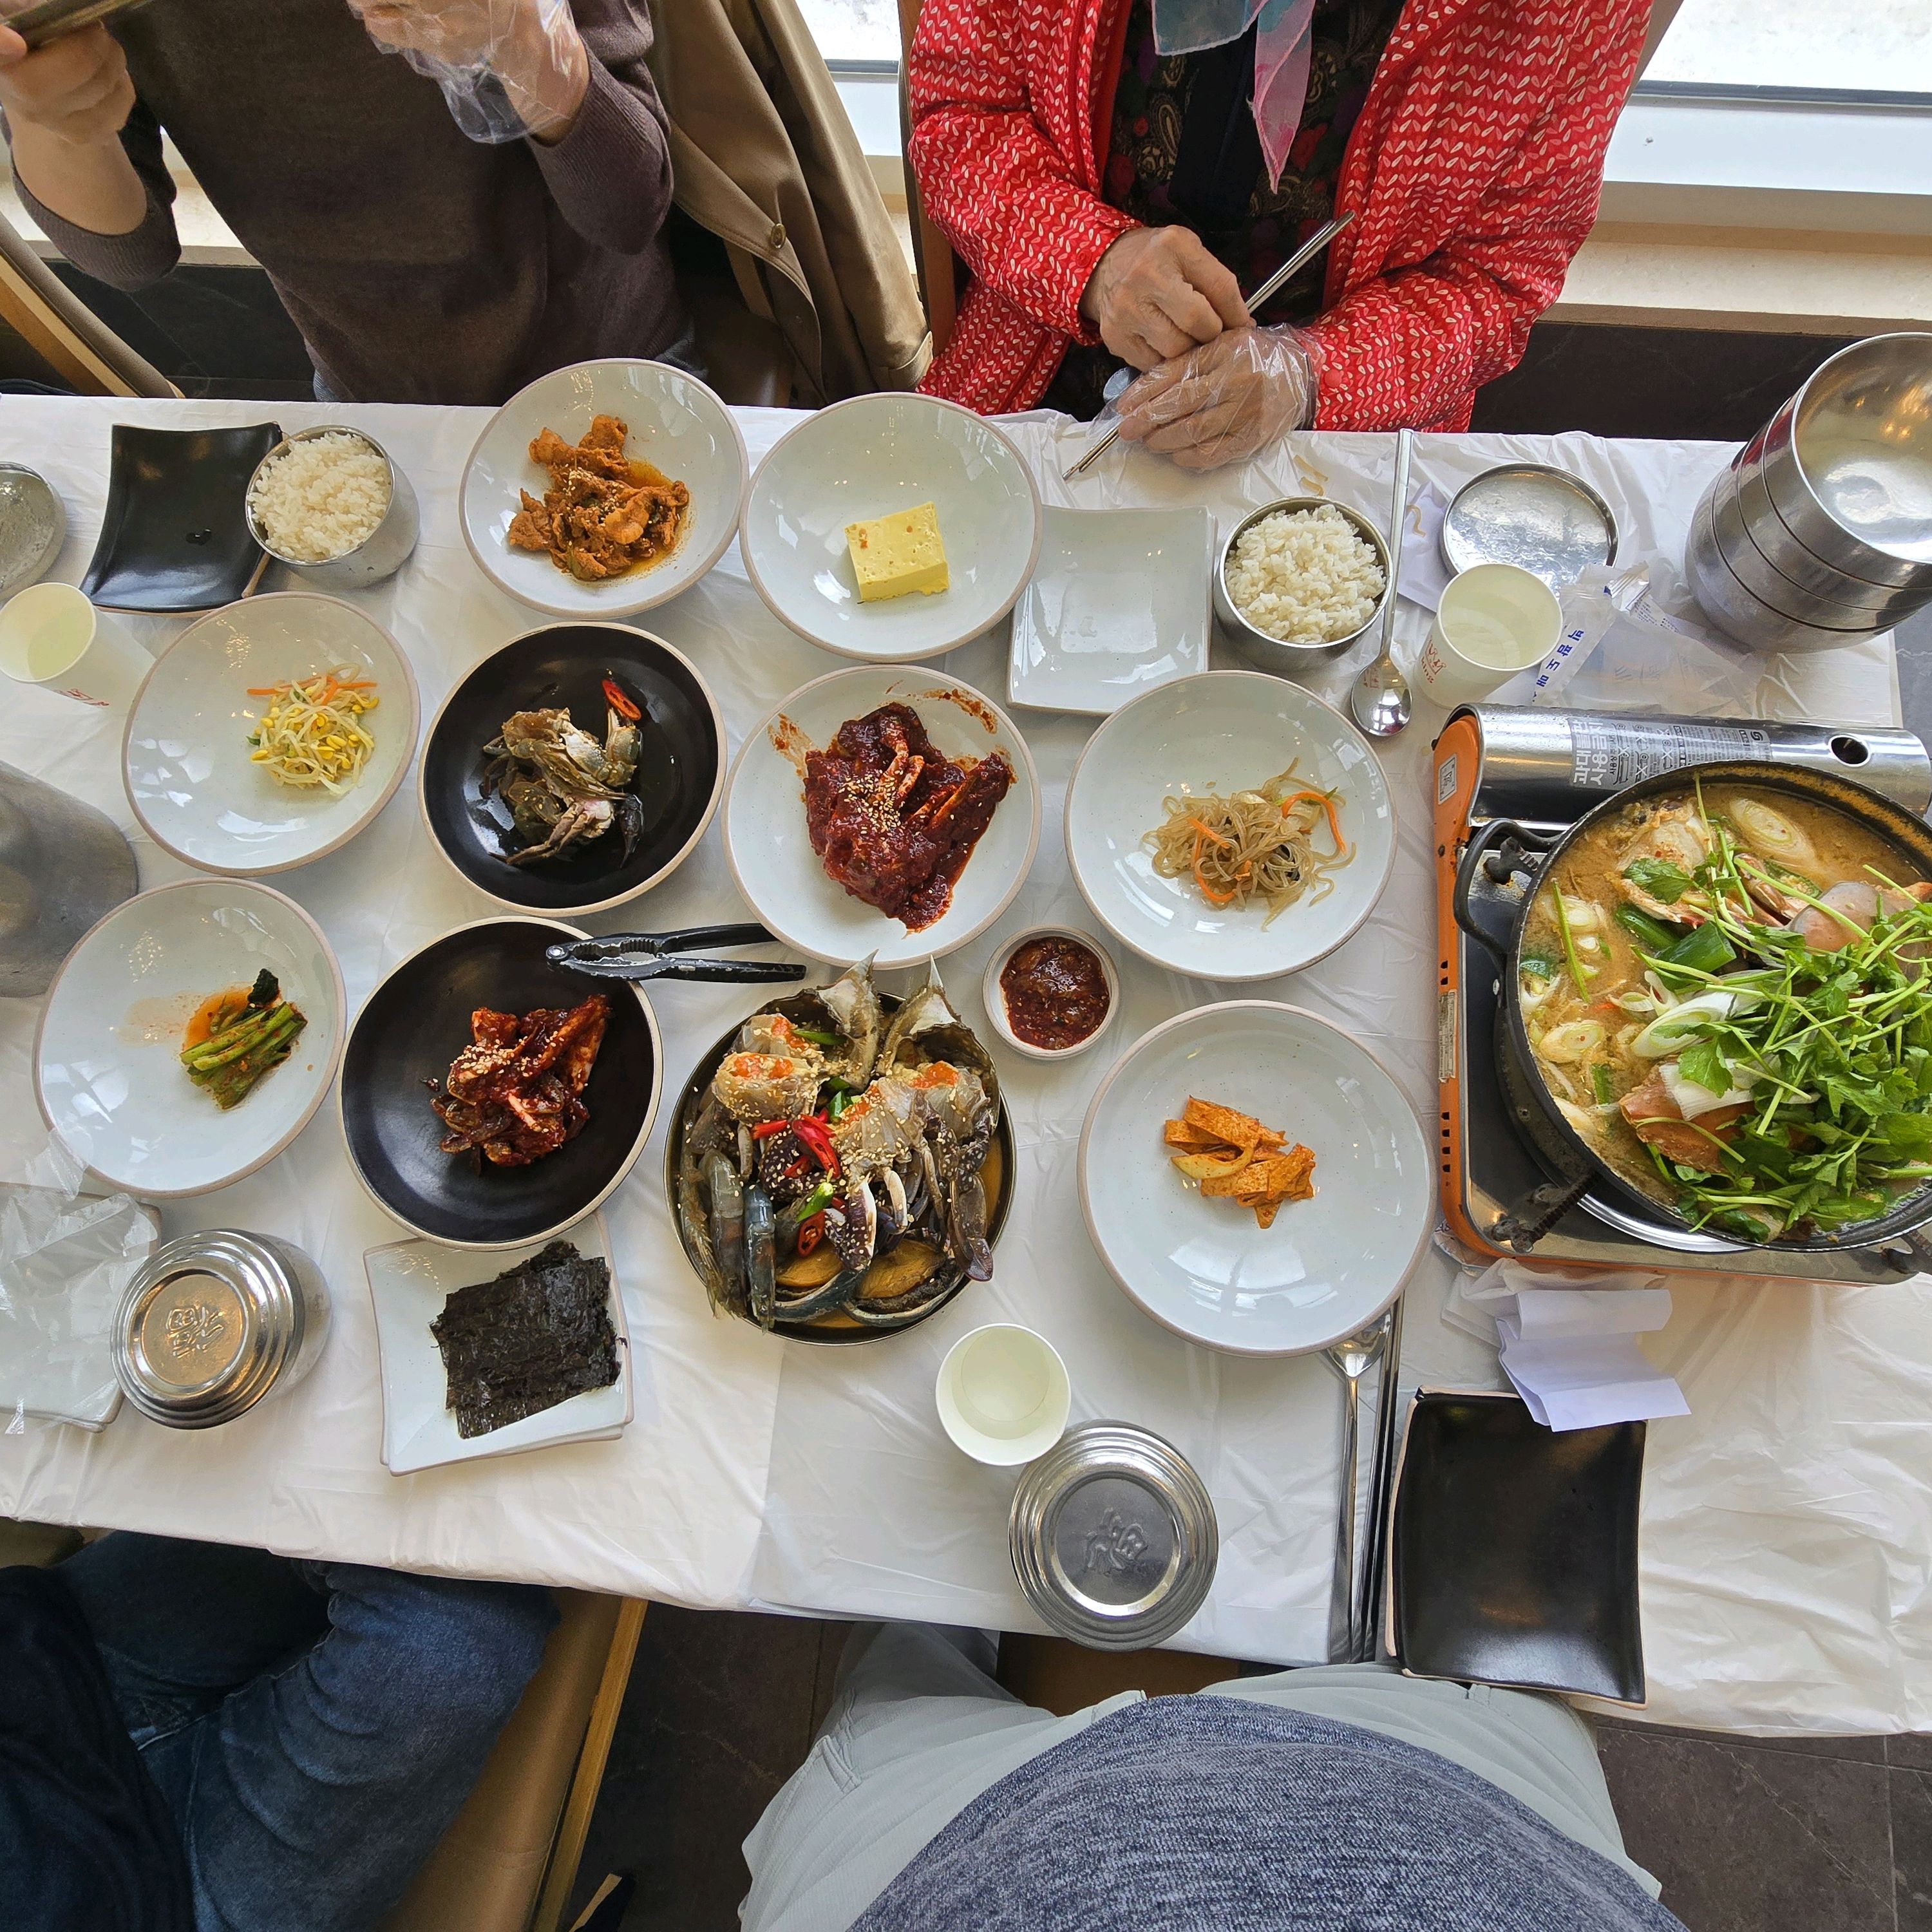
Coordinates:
(810, 1231)
(817, 1142)
(767, 1129)
(620, 700)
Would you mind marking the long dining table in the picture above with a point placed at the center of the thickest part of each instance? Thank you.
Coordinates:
(1786, 1540)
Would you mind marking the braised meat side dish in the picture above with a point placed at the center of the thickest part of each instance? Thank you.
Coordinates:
(515, 1093)
(1725, 993)
(893, 818)
(604, 514)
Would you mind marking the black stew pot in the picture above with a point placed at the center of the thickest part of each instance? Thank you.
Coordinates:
(1495, 884)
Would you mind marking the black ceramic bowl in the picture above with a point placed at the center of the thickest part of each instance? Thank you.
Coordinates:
(416, 1022)
(680, 775)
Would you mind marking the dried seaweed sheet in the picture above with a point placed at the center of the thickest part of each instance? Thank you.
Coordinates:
(537, 1335)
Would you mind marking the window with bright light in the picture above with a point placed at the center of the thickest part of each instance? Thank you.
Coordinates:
(864, 31)
(1876, 46)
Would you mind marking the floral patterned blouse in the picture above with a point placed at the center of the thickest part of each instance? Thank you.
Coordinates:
(1183, 148)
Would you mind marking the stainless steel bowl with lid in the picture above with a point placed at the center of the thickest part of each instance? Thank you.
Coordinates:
(380, 554)
(1848, 459)
(33, 527)
(1544, 520)
(1269, 653)
(215, 1321)
(1114, 1537)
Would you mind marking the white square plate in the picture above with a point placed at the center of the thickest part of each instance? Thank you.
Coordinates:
(410, 1281)
(1122, 601)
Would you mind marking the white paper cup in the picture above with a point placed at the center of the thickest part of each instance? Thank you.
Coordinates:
(1004, 1395)
(1494, 620)
(51, 635)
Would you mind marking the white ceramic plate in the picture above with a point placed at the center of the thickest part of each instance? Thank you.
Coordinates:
(1223, 731)
(1204, 1268)
(409, 1282)
(675, 422)
(107, 1070)
(1123, 601)
(184, 756)
(867, 457)
(770, 853)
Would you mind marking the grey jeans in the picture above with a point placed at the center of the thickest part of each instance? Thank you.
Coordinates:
(920, 1728)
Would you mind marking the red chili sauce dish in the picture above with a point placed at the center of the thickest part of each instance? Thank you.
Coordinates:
(1056, 992)
(893, 818)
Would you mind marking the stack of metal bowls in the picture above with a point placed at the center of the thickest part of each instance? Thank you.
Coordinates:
(1820, 532)
(214, 1321)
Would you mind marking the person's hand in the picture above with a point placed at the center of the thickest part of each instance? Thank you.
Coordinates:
(1156, 292)
(75, 89)
(1227, 399)
(532, 47)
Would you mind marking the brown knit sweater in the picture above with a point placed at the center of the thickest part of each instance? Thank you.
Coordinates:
(420, 266)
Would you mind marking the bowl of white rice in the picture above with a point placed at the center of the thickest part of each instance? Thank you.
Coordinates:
(1298, 581)
(329, 504)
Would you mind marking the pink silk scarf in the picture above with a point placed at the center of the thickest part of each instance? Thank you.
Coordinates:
(1282, 50)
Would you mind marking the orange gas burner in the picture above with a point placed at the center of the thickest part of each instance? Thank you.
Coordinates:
(1545, 769)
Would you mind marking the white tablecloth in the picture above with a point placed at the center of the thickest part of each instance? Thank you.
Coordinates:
(1787, 1543)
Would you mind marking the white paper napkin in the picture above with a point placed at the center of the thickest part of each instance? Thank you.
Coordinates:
(1571, 1352)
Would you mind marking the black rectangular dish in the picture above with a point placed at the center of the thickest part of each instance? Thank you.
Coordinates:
(174, 536)
(1513, 1550)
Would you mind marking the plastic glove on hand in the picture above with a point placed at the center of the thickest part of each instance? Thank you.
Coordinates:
(1156, 292)
(508, 68)
(1226, 399)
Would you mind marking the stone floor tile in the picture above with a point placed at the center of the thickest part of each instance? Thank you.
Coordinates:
(1748, 1839)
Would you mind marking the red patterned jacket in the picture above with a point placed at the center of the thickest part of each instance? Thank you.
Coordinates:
(1473, 172)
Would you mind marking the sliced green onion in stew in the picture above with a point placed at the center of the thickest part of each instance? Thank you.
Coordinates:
(1652, 935)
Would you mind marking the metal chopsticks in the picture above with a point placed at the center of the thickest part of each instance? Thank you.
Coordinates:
(1306, 254)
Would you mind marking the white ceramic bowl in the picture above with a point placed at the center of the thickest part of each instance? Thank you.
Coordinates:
(1224, 731)
(867, 457)
(107, 1071)
(1204, 1268)
(184, 756)
(675, 422)
(995, 999)
(769, 852)
(1002, 1394)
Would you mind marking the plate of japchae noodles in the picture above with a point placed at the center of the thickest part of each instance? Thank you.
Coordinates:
(1230, 826)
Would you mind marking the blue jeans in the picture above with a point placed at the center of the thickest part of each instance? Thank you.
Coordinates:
(314, 1727)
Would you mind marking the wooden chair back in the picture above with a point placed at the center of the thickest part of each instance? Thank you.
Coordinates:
(67, 335)
(932, 254)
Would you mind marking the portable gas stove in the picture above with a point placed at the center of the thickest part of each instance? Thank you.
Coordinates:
(1546, 768)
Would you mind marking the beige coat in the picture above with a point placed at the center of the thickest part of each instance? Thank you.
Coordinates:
(819, 302)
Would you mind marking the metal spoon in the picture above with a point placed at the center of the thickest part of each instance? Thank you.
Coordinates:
(1351, 1359)
(1379, 697)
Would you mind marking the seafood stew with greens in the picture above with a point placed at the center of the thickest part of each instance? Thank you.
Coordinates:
(1724, 990)
(833, 1174)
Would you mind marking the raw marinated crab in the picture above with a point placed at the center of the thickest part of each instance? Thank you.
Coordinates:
(564, 788)
(832, 1173)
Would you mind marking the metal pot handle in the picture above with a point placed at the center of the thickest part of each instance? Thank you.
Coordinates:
(1490, 918)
